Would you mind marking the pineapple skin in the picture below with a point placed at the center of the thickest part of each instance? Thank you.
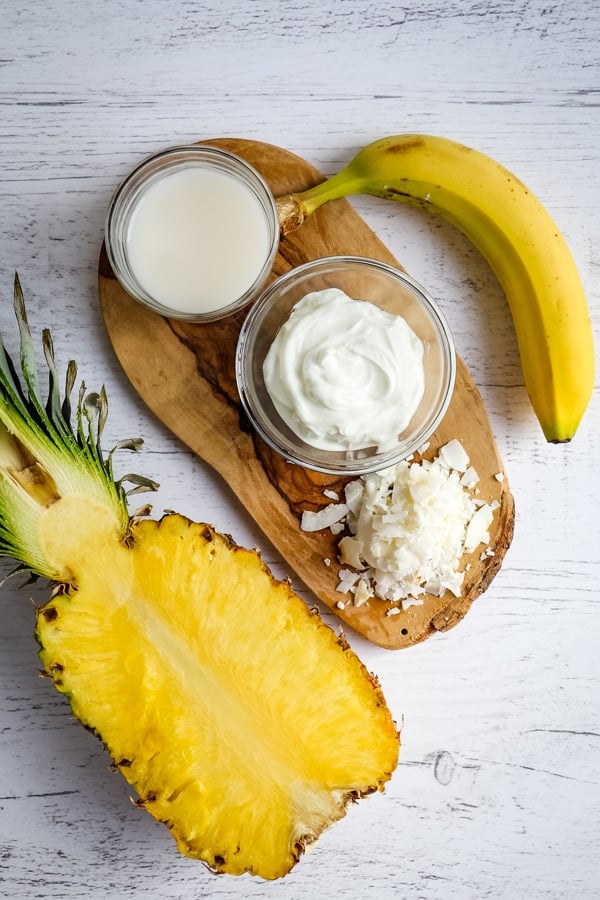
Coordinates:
(241, 720)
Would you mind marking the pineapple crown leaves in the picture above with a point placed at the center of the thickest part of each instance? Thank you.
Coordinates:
(38, 438)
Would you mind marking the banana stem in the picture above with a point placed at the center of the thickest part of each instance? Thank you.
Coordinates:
(293, 209)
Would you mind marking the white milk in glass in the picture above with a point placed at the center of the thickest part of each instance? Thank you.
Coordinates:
(197, 239)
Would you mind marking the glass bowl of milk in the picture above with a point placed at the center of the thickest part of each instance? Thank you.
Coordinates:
(345, 365)
(192, 233)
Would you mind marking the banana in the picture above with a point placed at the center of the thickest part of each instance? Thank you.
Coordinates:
(513, 231)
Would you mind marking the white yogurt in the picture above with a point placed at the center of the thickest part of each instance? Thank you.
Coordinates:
(344, 374)
(197, 239)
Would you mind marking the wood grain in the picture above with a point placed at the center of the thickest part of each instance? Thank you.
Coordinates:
(186, 374)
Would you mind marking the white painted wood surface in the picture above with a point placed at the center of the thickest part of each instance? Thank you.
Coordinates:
(498, 791)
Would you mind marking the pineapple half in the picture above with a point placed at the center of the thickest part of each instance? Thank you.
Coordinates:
(241, 720)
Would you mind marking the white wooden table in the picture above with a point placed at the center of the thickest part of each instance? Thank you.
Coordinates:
(498, 791)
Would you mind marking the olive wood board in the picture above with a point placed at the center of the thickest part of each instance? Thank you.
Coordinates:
(185, 374)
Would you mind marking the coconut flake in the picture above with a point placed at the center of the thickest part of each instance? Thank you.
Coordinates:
(323, 518)
(477, 529)
(411, 601)
(454, 455)
(363, 592)
(353, 493)
(347, 580)
(350, 549)
(470, 478)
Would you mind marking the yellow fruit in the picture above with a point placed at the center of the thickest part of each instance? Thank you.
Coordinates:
(517, 236)
(240, 719)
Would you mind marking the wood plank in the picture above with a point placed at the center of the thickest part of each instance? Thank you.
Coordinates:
(185, 373)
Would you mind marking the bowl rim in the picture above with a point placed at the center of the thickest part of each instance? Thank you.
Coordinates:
(353, 465)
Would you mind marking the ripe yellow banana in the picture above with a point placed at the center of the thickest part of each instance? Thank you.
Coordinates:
(516, 235)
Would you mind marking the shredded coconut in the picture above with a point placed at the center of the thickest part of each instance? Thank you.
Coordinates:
(408, 527)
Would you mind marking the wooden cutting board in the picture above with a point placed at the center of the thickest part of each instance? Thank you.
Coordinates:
(185, 374)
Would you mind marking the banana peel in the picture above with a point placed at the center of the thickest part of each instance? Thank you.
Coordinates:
(516, 235)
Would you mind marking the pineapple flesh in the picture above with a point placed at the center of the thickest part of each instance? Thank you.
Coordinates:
(240, 719)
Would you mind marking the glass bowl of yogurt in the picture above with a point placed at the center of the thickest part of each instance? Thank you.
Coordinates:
(345, 365)
(192, 232)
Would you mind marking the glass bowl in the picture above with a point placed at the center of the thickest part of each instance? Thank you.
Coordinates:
(363, 279)
(192, 233)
